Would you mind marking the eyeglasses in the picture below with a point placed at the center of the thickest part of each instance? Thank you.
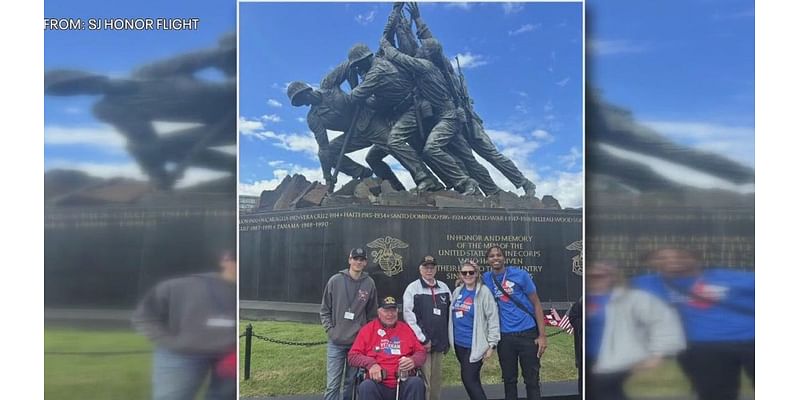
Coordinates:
(466, 273)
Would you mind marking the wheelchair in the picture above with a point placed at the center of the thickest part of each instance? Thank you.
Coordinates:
(362, 373)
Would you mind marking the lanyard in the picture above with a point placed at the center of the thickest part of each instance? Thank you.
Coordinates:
(433, 295)
(354, 295)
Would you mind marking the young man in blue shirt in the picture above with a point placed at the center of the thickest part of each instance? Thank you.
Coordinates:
(717, 310)
(522, 337)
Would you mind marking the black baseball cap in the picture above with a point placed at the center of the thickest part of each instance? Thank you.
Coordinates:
(427, 260)
(387, 302)
(358, 252)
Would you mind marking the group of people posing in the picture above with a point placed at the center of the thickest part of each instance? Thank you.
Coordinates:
(497, 311)
(705, 317)
(407, 101)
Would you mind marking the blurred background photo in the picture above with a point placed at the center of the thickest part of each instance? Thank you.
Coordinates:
(140, 200)
(670, 198)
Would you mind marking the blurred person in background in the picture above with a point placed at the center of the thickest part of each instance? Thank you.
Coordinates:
(627, 330)
(717, 309)
(575, 315)
(522, 337)
(474, 328)
(192, 321)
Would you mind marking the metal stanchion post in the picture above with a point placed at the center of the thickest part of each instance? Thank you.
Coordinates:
(248, 340)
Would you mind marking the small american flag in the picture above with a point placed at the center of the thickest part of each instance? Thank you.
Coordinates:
(555, 320)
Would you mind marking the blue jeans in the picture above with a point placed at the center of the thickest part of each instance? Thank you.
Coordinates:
(338, 369)
(178, 376)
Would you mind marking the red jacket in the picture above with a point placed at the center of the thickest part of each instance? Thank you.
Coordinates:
(378, 344)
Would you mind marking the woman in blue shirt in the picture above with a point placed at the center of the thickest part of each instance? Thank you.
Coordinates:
(474, 328)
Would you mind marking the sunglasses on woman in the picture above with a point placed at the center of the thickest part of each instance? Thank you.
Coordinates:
(465, 273)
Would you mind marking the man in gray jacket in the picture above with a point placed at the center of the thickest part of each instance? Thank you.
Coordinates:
(192, 321)
(349, 301)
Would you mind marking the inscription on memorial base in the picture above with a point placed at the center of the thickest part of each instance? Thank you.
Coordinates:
(289, 255)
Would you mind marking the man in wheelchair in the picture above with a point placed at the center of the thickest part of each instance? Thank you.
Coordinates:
(390, 353)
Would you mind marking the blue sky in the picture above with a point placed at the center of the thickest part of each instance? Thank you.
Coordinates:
(74, 139)
(685, 68)
(522, 62)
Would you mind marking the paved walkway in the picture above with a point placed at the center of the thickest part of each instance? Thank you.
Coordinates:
(562, 390)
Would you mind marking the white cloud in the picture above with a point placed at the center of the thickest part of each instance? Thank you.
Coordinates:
(678, 173)
(734, 142)
(524, 28)
(570, 159)
(304, 143)
(195, 175)
(274, 103)
(513, 145)
(73, 110)
(227, 149)
(567, 187)
(460, 5)
(563, 82)
(312, 174)
(103, 137)
(365, 19)
(131, 170)
(248, 126)
(167, 128)
(128, 169)
(542, 135)
(512, 8)
(468, 60)
(301, 119)
(600, 47)
(277, 163)
(271, 118)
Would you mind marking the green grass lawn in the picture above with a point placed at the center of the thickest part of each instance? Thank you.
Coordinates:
(668, 380)
(79, 377)
(281, 370)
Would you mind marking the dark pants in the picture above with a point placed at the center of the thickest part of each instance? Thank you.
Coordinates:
(715, 368)
(605, 386)
(178, 376)
(470, 374)
(519, 349)
(411, 389)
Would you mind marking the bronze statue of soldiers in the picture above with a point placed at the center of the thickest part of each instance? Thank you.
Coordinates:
(458, 147)
(429, 85)
(393, 95)
(332, 109)
(476, 135)
(166, 90)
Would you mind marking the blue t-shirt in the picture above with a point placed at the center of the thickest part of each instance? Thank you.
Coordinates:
(595, 322)
(464, 317)
(718, 305)
(519, 285)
